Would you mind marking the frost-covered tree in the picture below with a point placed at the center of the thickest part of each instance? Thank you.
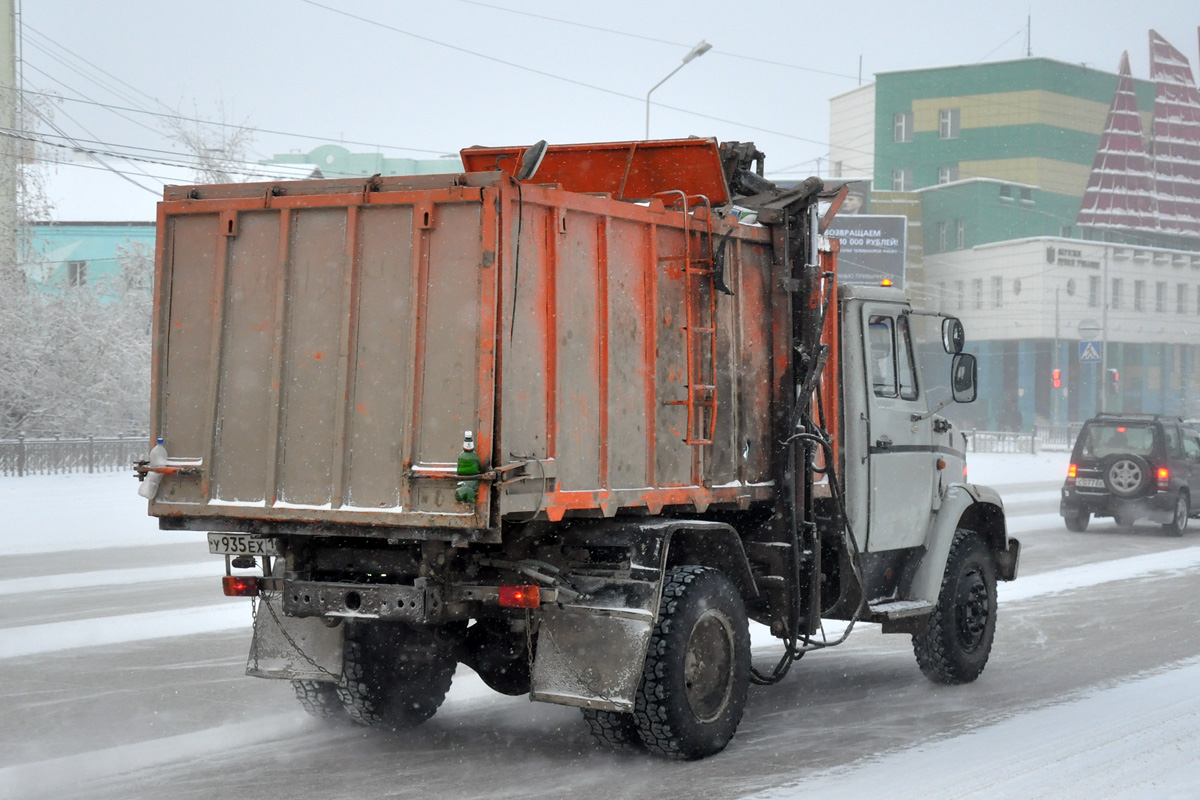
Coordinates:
(77, 362)
(221, 149)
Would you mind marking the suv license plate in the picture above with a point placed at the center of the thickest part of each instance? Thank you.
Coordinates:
(239, 544)
(1086, 483)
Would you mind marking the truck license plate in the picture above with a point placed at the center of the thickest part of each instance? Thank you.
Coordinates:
(1089, 483)
(239, 544)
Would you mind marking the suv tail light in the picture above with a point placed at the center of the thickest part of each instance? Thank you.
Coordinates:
(1164, 478)
(1071, 470)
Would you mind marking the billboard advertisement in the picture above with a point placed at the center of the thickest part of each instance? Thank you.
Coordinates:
(871, 248)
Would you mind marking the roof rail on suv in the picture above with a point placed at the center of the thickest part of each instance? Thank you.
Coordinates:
(1138, 415)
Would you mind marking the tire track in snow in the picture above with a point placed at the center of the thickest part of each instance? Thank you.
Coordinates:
(54, 636)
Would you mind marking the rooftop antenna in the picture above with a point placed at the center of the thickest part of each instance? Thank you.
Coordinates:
(1029, 36)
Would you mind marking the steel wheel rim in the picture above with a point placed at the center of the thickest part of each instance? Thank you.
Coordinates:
(1181, 512)
(708, 665)
(1125, 476)
(974, 610)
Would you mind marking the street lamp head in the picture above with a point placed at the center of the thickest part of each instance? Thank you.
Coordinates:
(697, 51)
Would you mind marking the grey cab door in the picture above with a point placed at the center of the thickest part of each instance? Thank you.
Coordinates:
(901, 455)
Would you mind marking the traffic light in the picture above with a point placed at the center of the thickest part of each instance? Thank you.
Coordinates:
(1056, 379)
(1111, 377)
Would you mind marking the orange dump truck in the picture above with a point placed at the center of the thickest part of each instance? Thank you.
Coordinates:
(572, 418)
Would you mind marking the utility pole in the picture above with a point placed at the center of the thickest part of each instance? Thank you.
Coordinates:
(10, 146)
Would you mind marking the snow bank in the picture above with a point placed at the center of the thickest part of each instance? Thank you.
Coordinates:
(1135, 740)
(56, 513)
(999, 469)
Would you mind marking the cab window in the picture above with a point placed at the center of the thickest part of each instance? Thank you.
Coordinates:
(907, 369)
(881, 355)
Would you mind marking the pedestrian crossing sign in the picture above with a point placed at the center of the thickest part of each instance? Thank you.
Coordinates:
(1089, 352)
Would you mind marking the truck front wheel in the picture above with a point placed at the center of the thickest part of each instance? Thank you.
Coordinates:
(956, 645)
(694, 682)
(393, 676)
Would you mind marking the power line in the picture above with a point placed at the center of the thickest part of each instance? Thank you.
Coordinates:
(323, 139)
(557, 77)
(716, 51)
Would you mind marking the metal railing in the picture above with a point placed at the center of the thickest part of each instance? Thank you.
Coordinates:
(1040, 437)
(21, 456)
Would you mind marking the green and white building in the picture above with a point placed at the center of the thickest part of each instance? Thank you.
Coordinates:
(991, 164)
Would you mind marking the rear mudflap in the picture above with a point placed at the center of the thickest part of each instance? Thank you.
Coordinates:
(293, 648)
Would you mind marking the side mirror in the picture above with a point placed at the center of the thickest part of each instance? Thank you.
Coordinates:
(963, 377)
(953, 335)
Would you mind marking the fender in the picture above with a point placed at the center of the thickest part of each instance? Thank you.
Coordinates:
(586, 646)
(970, 506)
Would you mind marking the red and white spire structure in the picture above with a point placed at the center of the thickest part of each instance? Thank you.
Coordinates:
(1120, 190)
(1176, 139)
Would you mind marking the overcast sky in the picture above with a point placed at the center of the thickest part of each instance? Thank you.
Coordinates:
(418, 79)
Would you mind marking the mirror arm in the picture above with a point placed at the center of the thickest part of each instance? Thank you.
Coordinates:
(932, 411)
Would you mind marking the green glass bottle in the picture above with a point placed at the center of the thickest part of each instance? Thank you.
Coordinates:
(468, 464)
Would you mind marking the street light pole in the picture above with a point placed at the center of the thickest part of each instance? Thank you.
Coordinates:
(695, 52)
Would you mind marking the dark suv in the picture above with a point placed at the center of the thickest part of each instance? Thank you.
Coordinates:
(1132, 466)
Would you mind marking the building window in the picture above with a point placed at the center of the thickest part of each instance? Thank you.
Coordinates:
(1160, 296)
(948, 120)
(1181, 298)
(947, 174)
(977, 287)
(902, 127)
(1139, 291)
(77, 273)
(960, 234)
(1115, 301)
(960, 291)
(1006, 192)
(998, 292)
(1026, 194)
(1066, 231)
(1093, 291)
(837, 169)
(902, 180)
(943, 236)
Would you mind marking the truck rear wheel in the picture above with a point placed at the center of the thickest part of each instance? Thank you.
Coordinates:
(693, 688)
(614, 731)
(956, 645)
(393, 676)
(319, 699)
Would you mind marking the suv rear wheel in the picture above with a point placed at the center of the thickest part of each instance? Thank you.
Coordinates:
(1078, 522)
(1178, 524)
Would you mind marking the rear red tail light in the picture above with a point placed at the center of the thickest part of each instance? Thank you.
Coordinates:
(1164, 477)
(520, 596)
(240, 585)
(1071, 470)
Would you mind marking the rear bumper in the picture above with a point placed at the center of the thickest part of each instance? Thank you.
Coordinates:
(1159, 507)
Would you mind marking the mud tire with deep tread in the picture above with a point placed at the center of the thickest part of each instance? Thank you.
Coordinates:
(392, 677)
(319, 699)
(697, 672)
(614, 730)
(958, 640)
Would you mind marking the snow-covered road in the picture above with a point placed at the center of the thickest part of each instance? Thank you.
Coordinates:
(121, 667)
